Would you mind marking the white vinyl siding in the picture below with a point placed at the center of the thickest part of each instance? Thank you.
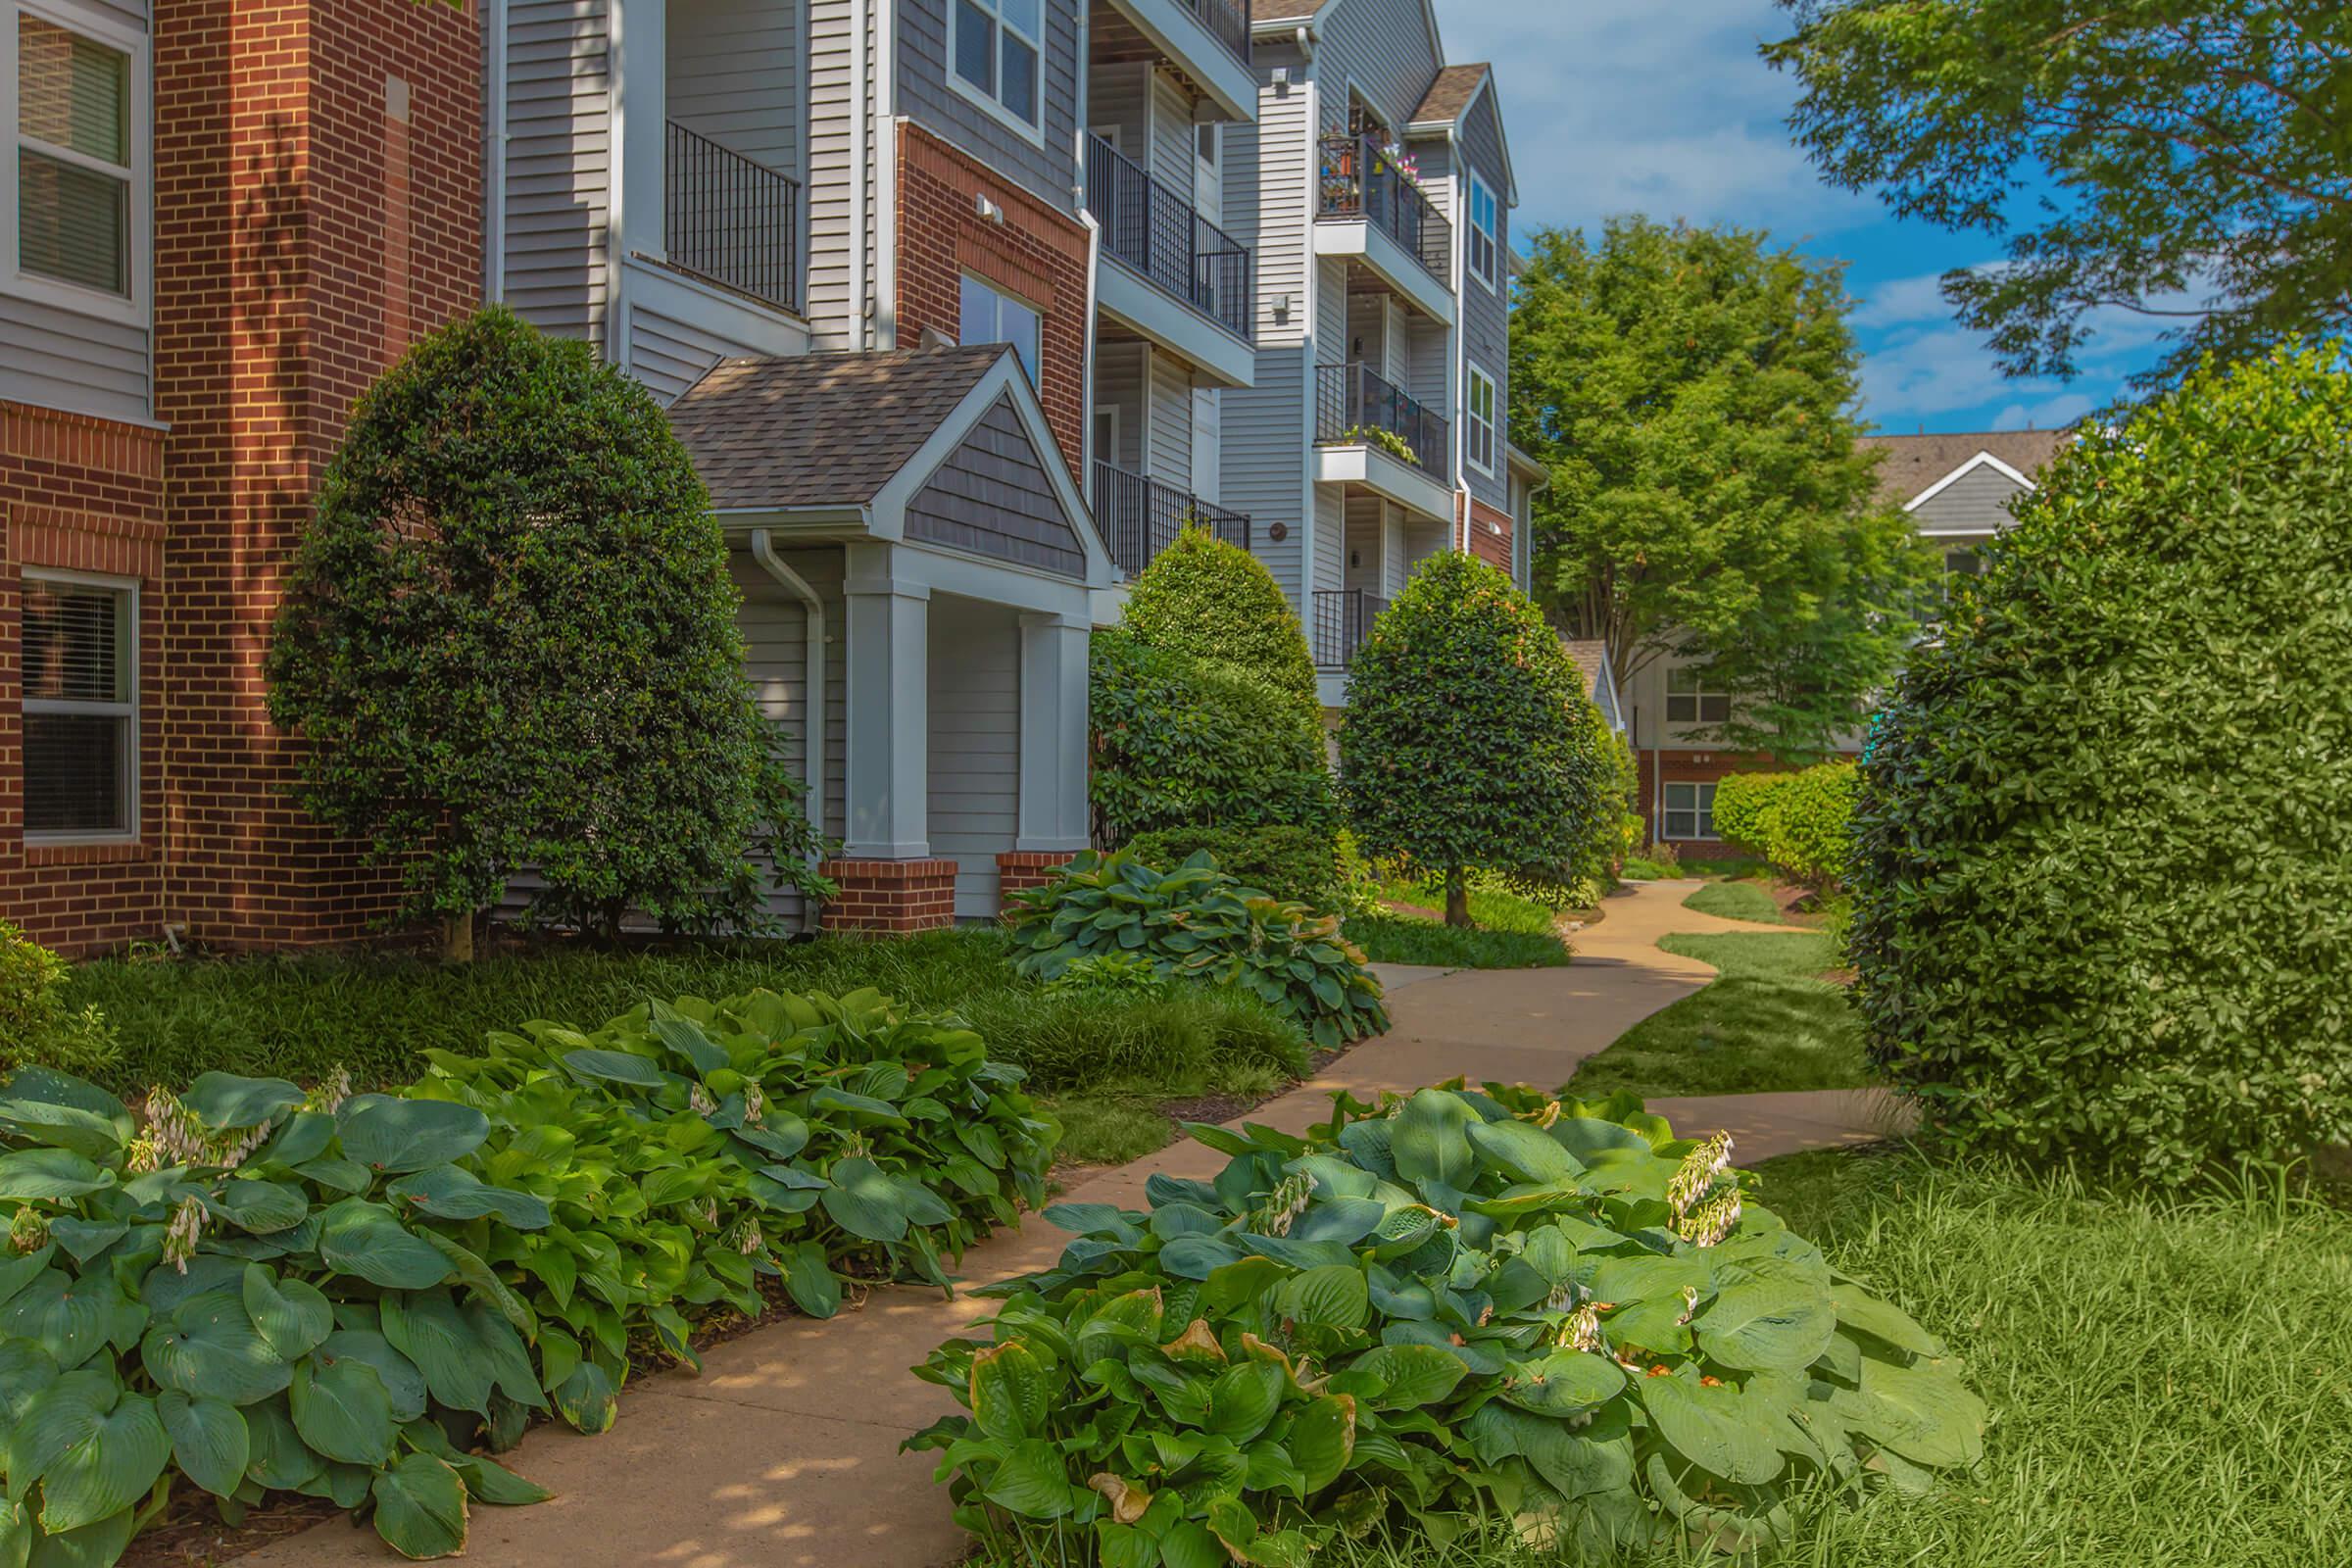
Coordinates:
(734, 68)
(774, 626)
(1171, 434)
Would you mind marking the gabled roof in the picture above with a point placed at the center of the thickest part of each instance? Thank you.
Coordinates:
(1915, 465)
(820, 429)
(1450, 94)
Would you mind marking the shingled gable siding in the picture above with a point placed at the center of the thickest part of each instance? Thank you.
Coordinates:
(994, 498)
(1978, 502)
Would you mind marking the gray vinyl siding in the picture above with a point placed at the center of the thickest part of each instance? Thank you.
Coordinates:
(993, 497)
(1486, 312)
(1978, 502)
(1120, 106)
(774, 626)
(1174, 150)
(1430, 383)
(1384, 50)
(1365, 519)
(974, 735)
(54, 358)
(835, 44)
(558, 164)
(669, 356)
(1264, 466)
(1119, 384)
(1268, 184)
(1171, 434)
(1047, 170)
(735, 76)
(1331, 538)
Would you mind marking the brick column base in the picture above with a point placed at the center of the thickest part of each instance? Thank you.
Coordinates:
(1022, 870)
(894, 897)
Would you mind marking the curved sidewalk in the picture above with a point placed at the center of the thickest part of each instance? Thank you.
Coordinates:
(783, 1453)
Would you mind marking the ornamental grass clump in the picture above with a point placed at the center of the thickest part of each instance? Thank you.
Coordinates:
(1453, 1304)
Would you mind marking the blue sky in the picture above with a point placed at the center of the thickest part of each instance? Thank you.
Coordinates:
(1661, 107)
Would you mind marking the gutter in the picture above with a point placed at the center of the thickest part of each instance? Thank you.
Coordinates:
(813, 755)
(861, 112)
(494, 158)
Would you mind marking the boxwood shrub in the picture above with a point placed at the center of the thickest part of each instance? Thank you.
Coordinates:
(1802, 823)
(1216, 601)
(250, 1288)
(1298, 864)
(1458, 1304)
(2101, 903)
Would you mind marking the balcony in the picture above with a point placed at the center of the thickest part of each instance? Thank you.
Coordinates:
(730, 220)
(1181, 281)
(1370, 433)
(1343, 618)
(1367, 210)
(1139, 517)
(1208, 40)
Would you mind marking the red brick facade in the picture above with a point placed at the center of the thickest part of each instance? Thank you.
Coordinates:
(892, 897)
(318, 206)
(1036, 254)
(1023, 871)
(1491, 535)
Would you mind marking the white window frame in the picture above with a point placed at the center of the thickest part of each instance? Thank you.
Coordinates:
(1492, 425)
(1700, 811)
(1118, 432)
(97, 25)
(1035, 372)
(1033, 130)
(127, 712)
(1490, 231)
(1698, 694)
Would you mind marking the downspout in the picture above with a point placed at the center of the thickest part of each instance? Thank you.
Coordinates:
(813, 756)
(494, 158)
(861, 112)
(1094, 247)
(886, 179)
(616, 135)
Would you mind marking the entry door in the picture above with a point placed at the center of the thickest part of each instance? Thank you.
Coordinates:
(1209, 173)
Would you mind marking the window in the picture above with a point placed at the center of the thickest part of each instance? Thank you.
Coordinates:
(1691, 701)
(1962, 563)
(73, 200)
(1481, 420)
(1107, 433)
(997, 47)
(1689, 812)
(1484, 224)
(81, 648)
(993, 318)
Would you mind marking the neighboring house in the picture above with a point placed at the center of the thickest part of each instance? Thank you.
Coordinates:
(1958, 490)
(1373, 434)
(217, 227)
(1590, 657)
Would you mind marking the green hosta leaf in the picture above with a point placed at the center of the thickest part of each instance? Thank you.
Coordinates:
(385, 1134)
(1921, 1412)
(26, 1369)
(1242, 1399)
(291, 1313)
(809, 1278)
(1523, 1153)
(281, 1460)
(450, 1191)
(586, 1399)
(16, 1531)
(684, 1036)
(614, 1067)
(210, 1347)
(53, 1419)
(1322, 1439)
(334, 1172)
(1345, 1220)
(1335, 1295)
(1714, 1428)
(363, 1239)
(94, 1546)
(1430, 1138)
(209, 1440)
(71, 1318)
(1189, 1544)
(1564, 1383)
(1585, 1136)
(72, 1115)
(866, 1203)
(302, 1139)
(1766, 1326)
(227, 1102)
(110, 1466)
(1032, 1482)
(50, 1176)
(1860, 1310)
(858, 1107)
(17, 1272)
(404, 1384)
(1407, 1377)
(1011, 1392)
(495, 1484)
(83, 1240)
(421, 1507)
(342, 1410)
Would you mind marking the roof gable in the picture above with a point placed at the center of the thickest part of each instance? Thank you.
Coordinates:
(994, 496)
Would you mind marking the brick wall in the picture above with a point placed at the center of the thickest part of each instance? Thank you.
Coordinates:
(892, 897)
(318, 206)
(1491, 535)
(80, 494)
(1680, 766)
(1036, 254)
(1023, 871)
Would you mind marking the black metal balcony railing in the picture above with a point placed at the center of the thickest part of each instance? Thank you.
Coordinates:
(1228, 20)
(1139, 517)
(730, 220)
(1361, 179)
(1343, 618)
(1355, 407)
(1158, 232)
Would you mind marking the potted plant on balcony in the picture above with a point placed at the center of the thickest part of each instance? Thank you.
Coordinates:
(1389, 441)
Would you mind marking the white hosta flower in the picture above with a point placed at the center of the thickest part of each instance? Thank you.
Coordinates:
(1580, 1331)
(181, 1238)
(1289, 1201)
(699, 1101)
(29, 1232)
(1713, 1220)
(754, 1103)
(1689, 1305)
(330, 1093)
(746, 1238)
(1698, 1172)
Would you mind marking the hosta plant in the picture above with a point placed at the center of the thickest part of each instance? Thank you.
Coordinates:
(1198, 923)
(1457, 1304)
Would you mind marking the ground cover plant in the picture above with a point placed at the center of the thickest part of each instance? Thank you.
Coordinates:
(1197, 926)
(262, 1289)
(1457, 1305)
(2095, 916)
(1768, 1021)
(36, 1026)
(1306, 865)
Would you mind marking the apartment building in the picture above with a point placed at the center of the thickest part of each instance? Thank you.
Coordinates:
(218, 221)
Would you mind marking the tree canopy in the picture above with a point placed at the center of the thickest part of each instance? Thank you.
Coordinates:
(1470, 744)
(2185, 160)
(1693, 393)
(509, 642)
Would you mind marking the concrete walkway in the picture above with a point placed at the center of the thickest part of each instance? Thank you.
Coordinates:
(783, 1453)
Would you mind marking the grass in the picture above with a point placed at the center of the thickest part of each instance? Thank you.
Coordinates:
(298, 1017)
(1737, 901)
(1641, 868)
(1766, 1022)
(2170, 1376)
(1508, 932)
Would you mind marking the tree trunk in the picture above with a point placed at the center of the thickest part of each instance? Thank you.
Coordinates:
(1457, 897)
(457, 939)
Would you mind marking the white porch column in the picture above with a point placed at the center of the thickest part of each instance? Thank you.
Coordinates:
(1053, 761)
(887, 758)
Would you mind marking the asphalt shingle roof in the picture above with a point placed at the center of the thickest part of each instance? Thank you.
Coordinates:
(1449, 94)
(819, 429)
(1587, 653)
(1913, 462)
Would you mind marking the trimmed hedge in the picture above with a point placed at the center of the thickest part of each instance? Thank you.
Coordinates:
(1802, 823)
(1742, 802)
(1301, 865)
(1212, 600)
(1187, 742)
(2102, 909)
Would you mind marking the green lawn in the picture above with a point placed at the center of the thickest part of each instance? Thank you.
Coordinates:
(1508, 932)
(2171, 1378)
(1767, 1022)
(1737, 901)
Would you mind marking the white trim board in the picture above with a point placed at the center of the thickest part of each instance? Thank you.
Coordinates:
(1982, 459)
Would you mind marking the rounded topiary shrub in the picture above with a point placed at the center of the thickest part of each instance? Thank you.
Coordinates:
(2101, 903)
(509, 642)
(1469, 744)
(1212, 600)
